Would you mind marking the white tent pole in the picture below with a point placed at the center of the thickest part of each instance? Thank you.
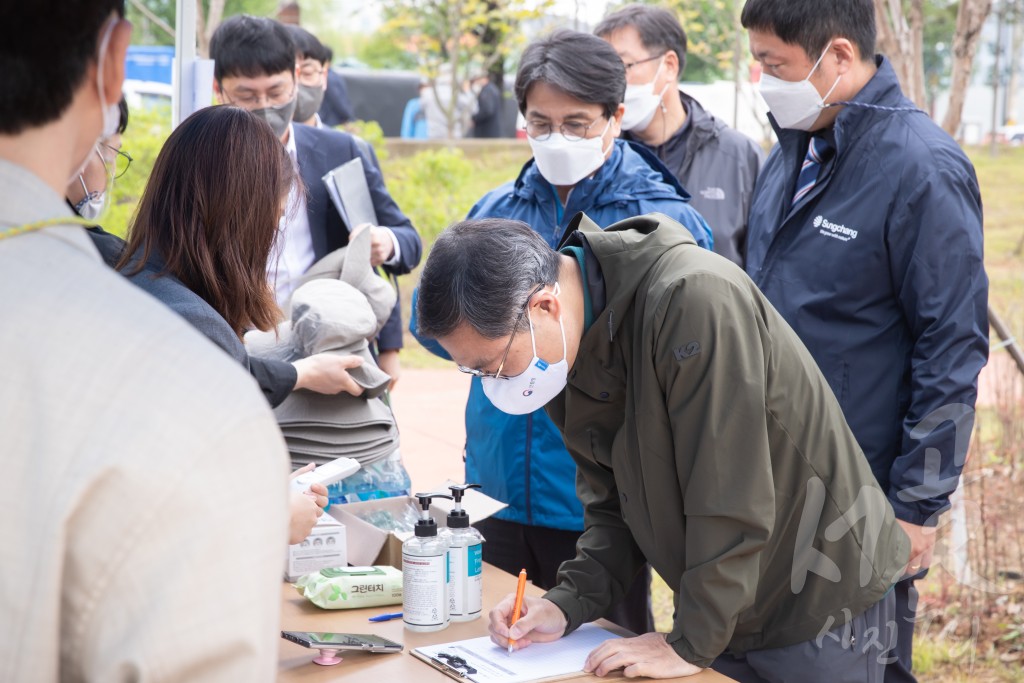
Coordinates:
(182, 103)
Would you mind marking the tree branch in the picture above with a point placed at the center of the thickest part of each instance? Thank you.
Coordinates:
(149, 14)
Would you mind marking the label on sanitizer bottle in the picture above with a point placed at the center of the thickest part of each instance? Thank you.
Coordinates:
(425, 590)
(474, 580)
(465, 598)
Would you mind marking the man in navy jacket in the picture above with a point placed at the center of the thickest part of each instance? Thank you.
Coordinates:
(256, 69)
(866, 235)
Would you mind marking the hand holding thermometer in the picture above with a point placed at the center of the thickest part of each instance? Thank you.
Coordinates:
(326, 474)
(517, 608)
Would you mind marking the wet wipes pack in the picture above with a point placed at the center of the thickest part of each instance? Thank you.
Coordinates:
(352, 587)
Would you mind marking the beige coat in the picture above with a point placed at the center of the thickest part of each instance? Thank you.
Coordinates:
(144, 485)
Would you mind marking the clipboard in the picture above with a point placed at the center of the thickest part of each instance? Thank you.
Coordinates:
(477, 660)
(347, 188)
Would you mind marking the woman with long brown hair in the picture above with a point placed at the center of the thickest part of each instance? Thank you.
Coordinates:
(203, 231)
(199, 242)
(207, 221)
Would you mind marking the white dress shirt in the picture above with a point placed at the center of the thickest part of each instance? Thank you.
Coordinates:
(292, 254)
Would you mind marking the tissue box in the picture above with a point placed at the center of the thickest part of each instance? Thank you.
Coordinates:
(352, 587)
(324, 547)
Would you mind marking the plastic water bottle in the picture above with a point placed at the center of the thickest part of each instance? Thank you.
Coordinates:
(393, 477)
(385, 478)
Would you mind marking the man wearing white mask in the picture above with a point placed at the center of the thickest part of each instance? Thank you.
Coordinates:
(88, 194)
(717, 165)
(866, 235)
(569, 88)
(121, 422)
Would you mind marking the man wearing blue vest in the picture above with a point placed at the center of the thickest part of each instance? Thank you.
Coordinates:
(569, 88)
(866, 235)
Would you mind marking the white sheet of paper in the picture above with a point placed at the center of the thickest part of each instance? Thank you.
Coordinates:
(540, 660)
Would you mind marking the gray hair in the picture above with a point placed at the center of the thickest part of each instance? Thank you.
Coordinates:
(659, 29)
(482, 273)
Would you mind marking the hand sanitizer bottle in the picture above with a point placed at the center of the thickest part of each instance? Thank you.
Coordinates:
(425, 573)
(465, 561)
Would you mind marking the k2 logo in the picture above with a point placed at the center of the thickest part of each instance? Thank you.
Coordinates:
(688, 351)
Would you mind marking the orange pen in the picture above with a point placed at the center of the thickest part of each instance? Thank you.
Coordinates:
(520, 589)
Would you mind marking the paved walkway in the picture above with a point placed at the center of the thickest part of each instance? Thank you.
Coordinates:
(430, 409)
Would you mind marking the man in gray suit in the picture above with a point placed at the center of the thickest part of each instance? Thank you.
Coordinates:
(127, 438)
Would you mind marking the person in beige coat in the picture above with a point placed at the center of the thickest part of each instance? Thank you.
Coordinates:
(128, 442)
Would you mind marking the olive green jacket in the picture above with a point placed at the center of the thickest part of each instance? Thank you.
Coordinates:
(709, 445)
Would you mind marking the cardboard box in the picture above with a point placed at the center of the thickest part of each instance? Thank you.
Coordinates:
(368, 545)
(326, 546)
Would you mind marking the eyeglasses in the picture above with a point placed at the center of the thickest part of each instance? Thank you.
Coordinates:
(497, 374)
(310, 73)
(275, 97)
(630, 65)
(572, 130)
(122, 160)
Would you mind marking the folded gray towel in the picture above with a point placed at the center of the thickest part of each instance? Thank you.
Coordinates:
(351, 265)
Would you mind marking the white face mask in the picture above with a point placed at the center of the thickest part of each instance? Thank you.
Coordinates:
(795, 105)
(111, 112)
(92, 205)
(537, 385)
(642, 102)
(566, 162)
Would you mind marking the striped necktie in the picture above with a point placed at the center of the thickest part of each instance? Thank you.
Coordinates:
(818, 154)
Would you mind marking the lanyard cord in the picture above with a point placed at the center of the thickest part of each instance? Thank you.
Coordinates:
(39, 225)
(876, 107)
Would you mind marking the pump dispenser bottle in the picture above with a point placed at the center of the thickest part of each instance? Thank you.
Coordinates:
(425, 573)
(465, 561)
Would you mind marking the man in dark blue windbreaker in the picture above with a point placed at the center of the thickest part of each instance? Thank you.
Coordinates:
(866, 235)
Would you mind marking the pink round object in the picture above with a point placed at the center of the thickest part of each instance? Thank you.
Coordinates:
(327, 658)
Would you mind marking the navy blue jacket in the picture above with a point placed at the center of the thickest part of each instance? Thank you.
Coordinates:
(521, 459)
(336, 108)
(321, 150)
(880, 272)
